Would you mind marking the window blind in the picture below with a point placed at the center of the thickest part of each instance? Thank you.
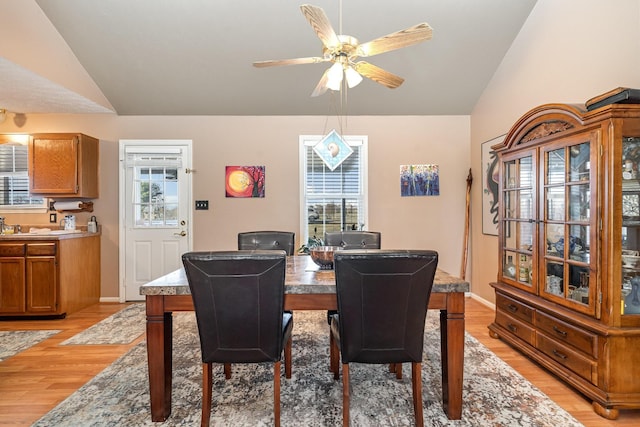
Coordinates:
(14, 178)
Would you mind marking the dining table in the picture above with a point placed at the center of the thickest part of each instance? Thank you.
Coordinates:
(307, 287)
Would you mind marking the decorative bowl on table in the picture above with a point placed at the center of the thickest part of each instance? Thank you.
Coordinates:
(323, 256)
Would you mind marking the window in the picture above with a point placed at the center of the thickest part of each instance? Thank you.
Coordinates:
(14, 177)
(332, 200)
(155, 182)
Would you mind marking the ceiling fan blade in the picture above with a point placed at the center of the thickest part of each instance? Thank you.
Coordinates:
(321, 25)
(321, 87)
(295, 61)
(407, 37)
(378, 75)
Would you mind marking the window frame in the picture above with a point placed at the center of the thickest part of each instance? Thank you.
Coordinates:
(306, 142)
(21, 140)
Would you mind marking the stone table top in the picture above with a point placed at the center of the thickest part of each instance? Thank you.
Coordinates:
(303, 276)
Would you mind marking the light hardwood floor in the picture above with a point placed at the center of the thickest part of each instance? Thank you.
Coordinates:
(36, 380)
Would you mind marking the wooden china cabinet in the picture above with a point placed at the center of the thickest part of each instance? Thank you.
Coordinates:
(568, 285)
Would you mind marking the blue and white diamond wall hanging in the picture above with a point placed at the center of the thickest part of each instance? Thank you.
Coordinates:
(332, 150)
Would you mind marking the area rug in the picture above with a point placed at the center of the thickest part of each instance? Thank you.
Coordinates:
(494, 394)
(13, 342)
(120, 328)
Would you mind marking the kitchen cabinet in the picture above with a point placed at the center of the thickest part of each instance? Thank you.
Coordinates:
(568, 243)
(48, 276)
(63, 165)
(41, 278)
(12, 278)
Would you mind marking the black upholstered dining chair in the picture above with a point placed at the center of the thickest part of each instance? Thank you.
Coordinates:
(238, 298)
(382, 306)
(279, 240)
(353, 239)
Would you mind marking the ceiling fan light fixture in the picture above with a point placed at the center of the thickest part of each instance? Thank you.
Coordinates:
(334, 76)
(353, 77)
(343, 50)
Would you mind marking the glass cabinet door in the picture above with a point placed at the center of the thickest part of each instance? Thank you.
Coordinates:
(566, 259)
(630, 303)
(518, 220)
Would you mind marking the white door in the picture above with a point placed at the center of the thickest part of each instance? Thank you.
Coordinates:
(155, 219)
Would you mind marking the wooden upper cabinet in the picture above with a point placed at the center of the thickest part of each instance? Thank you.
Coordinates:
(63, 165)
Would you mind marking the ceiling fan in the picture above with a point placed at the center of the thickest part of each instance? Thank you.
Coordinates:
(343, 51)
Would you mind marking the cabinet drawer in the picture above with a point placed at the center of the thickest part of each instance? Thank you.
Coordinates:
(12, 249)
(568, 358)
(41, 249)
(514, 308)
(562, 331)
(517, 328)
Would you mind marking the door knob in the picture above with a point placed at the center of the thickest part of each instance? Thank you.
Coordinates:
(182, 233)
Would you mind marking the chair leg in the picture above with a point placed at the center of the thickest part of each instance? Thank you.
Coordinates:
(416, 381)
(227, 371)
(345, 395)
(331, 355)
(287, 358)
(276, 393)
(396, 368)
(334, 357)
(207, 384)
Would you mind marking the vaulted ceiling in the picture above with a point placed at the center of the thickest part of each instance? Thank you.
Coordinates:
(194, 57)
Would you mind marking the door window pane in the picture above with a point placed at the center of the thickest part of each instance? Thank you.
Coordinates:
(155, 192)
(579, 199)
(555, 166)
(579, 164)
(554, 197)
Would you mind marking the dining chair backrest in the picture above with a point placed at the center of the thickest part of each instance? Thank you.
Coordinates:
(239, 302)
(353, 239)
(267, 240)
(382, 301)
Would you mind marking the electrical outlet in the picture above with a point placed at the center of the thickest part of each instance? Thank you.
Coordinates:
(202, 205)
(53, 218)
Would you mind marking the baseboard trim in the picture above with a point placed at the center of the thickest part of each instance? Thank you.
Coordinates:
(110, 299)
(482, 301)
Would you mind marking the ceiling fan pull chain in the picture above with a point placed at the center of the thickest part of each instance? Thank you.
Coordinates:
(340, 17)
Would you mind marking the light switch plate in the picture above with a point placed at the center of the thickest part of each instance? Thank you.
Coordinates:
(202, 205)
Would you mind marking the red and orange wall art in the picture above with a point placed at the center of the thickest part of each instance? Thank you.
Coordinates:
(244, 181)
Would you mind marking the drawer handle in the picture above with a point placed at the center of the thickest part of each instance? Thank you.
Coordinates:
(560, 331)
(512, 308)
(512, 328)
(560, 355)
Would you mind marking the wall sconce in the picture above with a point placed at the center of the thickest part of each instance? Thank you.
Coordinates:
(3, 115)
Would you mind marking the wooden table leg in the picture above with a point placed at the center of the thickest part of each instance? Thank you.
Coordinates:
(159, 350)
(452, 348)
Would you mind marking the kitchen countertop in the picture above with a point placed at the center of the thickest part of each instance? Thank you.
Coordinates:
(54, 235)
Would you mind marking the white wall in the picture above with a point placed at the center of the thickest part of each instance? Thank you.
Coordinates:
(434, 222)
(567, 52)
